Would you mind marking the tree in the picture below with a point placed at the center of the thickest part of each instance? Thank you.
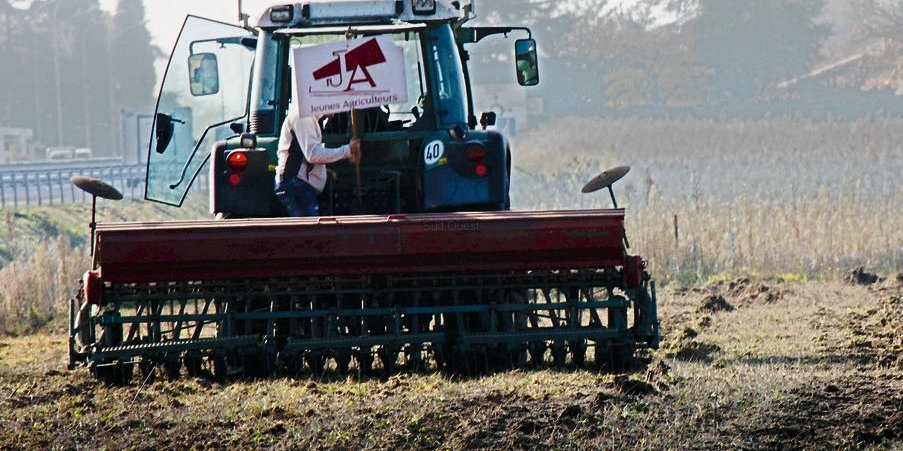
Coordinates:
(879, 18)
(750, 45)
(653, 68)
(133, 57)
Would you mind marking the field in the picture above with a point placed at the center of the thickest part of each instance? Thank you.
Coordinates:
(767, 341)
(745, 364)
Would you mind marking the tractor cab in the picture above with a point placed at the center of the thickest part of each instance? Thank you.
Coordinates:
(228, 89)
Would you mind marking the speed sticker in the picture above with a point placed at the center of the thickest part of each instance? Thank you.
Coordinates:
(433, 152)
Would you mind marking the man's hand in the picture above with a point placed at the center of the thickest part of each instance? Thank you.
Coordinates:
(355, 146)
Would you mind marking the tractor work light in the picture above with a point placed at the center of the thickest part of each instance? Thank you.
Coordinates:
(237, 161)
(424, 7)
(282, 14)
(353, 9)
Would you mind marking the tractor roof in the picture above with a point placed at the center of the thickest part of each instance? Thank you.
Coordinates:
(318, 13)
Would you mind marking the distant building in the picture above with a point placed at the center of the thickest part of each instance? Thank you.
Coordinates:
(16, 145)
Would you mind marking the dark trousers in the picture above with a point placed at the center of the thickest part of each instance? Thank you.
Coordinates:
(299, 198)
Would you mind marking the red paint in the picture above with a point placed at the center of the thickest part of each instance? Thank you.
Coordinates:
(91, 286)
(633, 271)
(284, 247)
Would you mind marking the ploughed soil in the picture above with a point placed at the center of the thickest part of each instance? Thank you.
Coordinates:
(743, 365)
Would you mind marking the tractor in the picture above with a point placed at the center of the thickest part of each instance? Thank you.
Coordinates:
(417, 261)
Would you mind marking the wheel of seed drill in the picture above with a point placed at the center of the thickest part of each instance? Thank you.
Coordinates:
(578, 352)
(364, 358)
(293, 365)
(438, 354)
(480, 358)
(455, 360)
(537, 351)
(343, 360)
(559, 354)
(388, 356)
(194, 364)
(413, 358)
(172, 364)
(148, 370)
(316, 362)
(613, 358)
(117, 374)
(220, 367)
(519, 356)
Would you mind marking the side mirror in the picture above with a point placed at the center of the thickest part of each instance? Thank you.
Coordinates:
(527, 62)
(164, 131)
(488, 119)
(203, 70)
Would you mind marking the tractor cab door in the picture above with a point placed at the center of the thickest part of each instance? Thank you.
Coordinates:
(203, 99)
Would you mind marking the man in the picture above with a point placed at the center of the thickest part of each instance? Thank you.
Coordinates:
(301, 173)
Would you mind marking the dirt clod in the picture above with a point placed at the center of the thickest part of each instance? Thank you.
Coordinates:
(859, 276)
(715, 303)
(695, 351)
(277, 429)
(633, 387)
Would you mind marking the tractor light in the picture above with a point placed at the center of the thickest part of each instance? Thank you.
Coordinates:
(481, 170)
(352, 9)
(424, 7)
(476, 153)
(282, 14)
(237, 161)
(234, 179)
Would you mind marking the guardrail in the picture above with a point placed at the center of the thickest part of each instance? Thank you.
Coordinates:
(51, 186)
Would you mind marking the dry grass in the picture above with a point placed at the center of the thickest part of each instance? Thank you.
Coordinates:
(759, 197)
(37, 284)
(44, 252)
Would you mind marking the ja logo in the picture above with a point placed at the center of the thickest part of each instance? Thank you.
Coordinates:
(350, 68)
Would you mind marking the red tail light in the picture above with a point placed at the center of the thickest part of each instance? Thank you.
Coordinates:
(476, 153)
(237, 161)
(234, 179)
(481, 170)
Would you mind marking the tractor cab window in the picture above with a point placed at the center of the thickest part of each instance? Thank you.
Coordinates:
(448, 77)
(387, 117)
(204, 91)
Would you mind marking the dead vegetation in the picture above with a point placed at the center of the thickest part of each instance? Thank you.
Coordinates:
(44, 252)
(766, 198)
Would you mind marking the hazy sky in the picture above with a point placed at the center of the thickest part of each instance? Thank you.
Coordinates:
(164, 17)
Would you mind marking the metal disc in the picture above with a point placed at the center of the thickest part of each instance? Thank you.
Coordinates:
(96, 187)
(606, 179)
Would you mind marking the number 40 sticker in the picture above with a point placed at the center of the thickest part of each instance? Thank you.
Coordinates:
(433, 153)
